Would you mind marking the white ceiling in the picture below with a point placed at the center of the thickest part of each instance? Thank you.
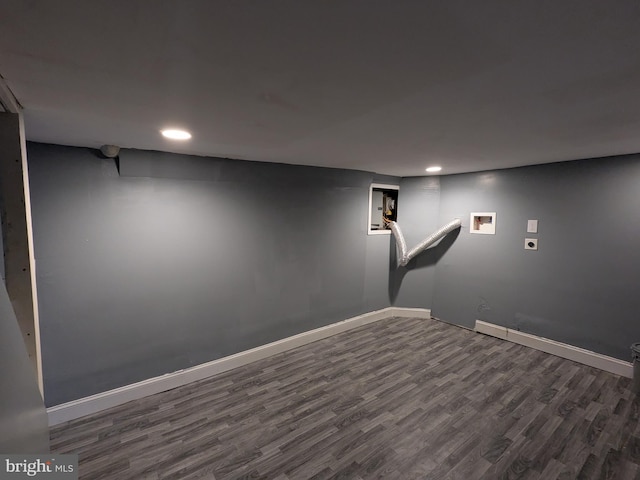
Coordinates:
(388, 86)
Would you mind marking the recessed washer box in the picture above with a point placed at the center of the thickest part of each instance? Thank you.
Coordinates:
(483, 222)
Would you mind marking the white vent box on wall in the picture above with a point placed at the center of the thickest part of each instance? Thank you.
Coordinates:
(483, 222)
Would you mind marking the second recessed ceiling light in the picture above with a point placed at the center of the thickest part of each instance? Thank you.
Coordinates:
(175, 134)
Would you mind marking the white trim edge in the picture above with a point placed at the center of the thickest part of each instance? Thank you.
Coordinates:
(564, 350)
(111, 398)
(32, 257)
(7, 98)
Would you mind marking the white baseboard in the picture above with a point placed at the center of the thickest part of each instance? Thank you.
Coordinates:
(580, 355)
(405, 312)
(101, 401)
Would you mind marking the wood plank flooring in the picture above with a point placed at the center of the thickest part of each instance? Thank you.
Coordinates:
(399, 398)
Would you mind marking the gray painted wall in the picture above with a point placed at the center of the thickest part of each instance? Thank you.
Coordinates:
(580, 287)
(182, 260)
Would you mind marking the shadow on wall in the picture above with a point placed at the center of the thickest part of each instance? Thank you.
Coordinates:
(426, 259)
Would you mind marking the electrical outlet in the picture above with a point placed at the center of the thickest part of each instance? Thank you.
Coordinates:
(531, 244)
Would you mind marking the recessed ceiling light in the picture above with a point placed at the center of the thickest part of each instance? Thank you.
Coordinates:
(434, 169)
(174, 134)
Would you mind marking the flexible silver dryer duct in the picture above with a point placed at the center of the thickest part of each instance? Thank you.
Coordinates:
(404, 256)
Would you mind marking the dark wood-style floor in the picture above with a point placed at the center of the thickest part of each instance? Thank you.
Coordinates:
(400, 398)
